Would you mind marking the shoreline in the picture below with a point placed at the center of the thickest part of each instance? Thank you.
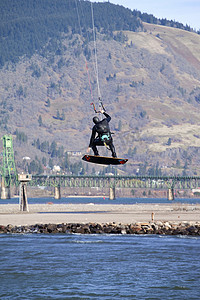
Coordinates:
(171, 218)
(139, 228)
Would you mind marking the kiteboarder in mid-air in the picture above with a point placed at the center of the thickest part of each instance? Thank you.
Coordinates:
(101, 135)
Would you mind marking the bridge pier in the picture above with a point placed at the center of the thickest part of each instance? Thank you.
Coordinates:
(5, 191)
(57, 192)
(170, 194)
(112, 193)
(23, 199)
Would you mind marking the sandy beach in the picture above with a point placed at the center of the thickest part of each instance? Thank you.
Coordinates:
(99, 213)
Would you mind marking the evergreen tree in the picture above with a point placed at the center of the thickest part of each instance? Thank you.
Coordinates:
(44, 161)
(48, 104)
(53, 149)
(40, 120)
(62, 116)
(120, 125)
(169, 142)
(58, 115)
(37, 144)
(51, 163)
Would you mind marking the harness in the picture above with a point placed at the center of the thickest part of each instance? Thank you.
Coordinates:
(105, 137)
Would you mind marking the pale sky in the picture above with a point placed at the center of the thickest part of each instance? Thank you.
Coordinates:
(183, 11)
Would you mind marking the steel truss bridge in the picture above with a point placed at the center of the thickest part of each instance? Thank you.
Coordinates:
(145, 182)
(88, 181)
(169, 183)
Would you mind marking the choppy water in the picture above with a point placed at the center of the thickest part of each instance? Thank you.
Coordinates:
(99, 267)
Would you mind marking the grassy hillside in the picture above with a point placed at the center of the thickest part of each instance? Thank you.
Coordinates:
(149, 84)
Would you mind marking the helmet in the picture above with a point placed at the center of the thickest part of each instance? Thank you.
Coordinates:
(96, 120)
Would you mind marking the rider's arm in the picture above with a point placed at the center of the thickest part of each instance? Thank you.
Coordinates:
(107, 116)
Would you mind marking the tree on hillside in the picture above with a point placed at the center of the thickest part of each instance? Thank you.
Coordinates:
(40, 120)
(169, 142)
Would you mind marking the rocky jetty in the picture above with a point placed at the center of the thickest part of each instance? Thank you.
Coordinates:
(160, 228)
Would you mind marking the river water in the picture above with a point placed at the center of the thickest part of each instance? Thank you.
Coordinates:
(64, 266)
(36, 266)
(102, 200)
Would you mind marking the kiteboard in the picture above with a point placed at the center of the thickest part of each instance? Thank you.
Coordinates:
(104, 160)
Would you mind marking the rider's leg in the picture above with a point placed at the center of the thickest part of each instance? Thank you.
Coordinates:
(94, 148)
(112, 148)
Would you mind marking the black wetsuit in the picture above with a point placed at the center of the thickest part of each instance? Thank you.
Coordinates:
(104, 136)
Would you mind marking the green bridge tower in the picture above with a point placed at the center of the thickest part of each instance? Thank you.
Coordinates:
(9, 174)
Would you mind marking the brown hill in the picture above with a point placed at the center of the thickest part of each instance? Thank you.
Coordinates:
(149, 85)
